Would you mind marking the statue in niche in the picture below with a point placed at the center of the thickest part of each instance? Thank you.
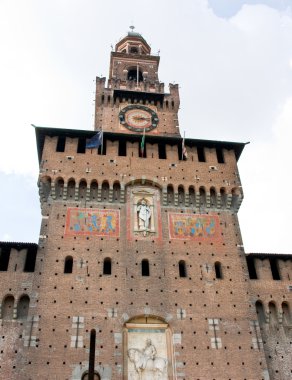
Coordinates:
(147, 365)
(144, 216)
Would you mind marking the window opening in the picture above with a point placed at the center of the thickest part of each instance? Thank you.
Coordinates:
(132, 75)
(91, 355)
(7, 307)
(23, 307)
(192, 196)
(181, 196)
(81, 145)
(61, 144)
(4, 258)
(218, 270)
(71, 188)
(107, 266)
(30, 260)
(162, 151)
(68, 266)
(275, 269)
(59, 188)
(170, 195)
(220, 156)
(145, 268)
(122, 148)
(201, 154)
(260, 312)
(182, 269)
(93, 190)
(251, 268)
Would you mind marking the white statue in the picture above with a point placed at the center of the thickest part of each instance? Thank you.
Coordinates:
(144, 215)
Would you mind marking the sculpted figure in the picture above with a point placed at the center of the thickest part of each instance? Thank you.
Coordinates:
(144, 215)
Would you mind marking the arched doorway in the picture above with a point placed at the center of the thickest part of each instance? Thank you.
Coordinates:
(85, 376)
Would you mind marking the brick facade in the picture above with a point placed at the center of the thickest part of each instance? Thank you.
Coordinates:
(99, 283)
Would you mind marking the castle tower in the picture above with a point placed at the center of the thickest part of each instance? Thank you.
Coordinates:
(140, 271)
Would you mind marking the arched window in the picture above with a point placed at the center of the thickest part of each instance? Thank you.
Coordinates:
(182, 268)
(71, 189)
(93, 190)
(46, 185)
(286, 314)
(202, 197)
(22, 307)
(7, 307)
(82, 189)
(59, 188)
(223, 197)
(213, 198)
(235, 197)
(170, 195)
(260, 312)
(116, 192)
(181, 196)
(218, 270)
(105, 191)
(192, 196)
(273, 314)
(145, 268)
(132, 75)
(107, 266)
(68, 266)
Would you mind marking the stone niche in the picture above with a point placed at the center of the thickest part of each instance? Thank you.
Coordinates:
(143, 212)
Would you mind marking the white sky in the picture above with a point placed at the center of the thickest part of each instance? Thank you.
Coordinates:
(232, 59)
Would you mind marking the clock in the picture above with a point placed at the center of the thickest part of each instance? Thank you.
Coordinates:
(138, 118)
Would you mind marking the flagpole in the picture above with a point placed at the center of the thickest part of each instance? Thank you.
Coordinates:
(137, 74)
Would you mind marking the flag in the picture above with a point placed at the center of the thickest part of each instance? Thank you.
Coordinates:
(95, 141)
(143, 144)
(184, 149)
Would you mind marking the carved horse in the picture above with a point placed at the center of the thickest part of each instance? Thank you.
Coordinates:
(157, 366)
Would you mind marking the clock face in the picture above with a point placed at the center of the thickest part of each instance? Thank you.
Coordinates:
(138, 118)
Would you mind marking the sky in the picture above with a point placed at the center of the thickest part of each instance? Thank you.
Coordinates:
(231, 59)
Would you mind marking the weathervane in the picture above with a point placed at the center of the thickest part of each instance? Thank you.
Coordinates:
(132, 28)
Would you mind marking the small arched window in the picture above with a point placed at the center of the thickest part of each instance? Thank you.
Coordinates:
(22, 307)
(105, 191)
(7, 307)
(82, 189)
(260, 312)
(286, 314)
(145, 268)
(192, 196)
(170, 195)
(218, 270)
(182, 268)
(116, 192)
(59, 188)
(93, 190)
(68, 266)
(71, 189)
(181, 196)
(107, 266)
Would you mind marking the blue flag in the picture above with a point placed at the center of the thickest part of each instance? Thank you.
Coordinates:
(95, 141)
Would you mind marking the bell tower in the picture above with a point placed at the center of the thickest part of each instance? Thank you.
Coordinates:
(134, 100)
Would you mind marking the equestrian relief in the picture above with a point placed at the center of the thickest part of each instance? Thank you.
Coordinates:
(147, 365)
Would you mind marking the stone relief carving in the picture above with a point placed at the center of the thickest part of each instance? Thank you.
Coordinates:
(147, 365)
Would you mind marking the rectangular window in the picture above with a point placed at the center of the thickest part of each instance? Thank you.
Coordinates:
(220, 156)
(162, 151)
(122, 148)
(61, 144)
(4, 258)
(81, 145)
(201, 154)
(30, 260)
